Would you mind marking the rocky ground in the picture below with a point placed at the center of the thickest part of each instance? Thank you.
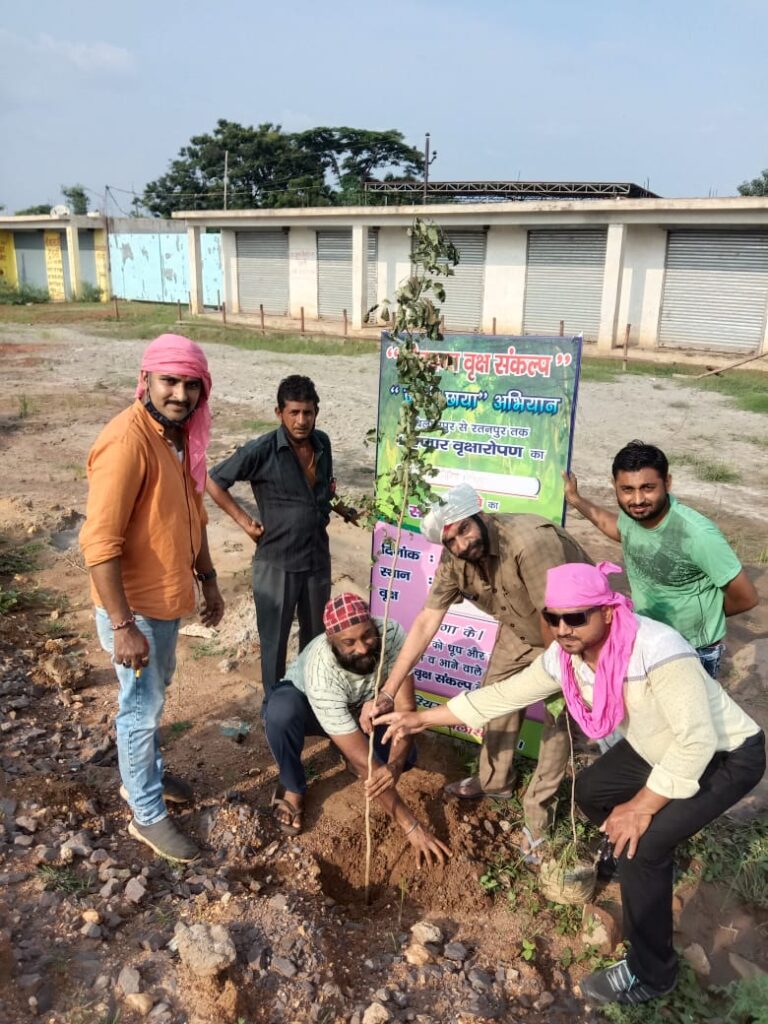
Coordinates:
(94, 929)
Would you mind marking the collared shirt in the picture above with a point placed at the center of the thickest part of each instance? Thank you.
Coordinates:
(509, 583)
(144, 509)
(336, 695)
(676, 717)
(294, 513)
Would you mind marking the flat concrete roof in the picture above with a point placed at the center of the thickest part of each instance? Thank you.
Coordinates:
(737, 210)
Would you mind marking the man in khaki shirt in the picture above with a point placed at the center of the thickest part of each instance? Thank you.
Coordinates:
(499, 563)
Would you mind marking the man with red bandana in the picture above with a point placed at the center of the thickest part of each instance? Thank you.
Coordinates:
(144, 542)
(322, 694)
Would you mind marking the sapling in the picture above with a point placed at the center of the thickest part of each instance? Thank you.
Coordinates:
(414, 318)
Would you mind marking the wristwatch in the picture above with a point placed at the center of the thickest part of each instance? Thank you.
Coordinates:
(206, 577)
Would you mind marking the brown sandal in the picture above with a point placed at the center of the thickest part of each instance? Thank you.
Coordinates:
(469, 789)
(295, 815)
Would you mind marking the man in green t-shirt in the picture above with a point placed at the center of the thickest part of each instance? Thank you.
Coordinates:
(681, 569)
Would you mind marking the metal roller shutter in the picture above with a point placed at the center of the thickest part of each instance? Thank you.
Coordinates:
(715, 290)
(463, 306)
(564, 281)
(334, 273)
(262, 271)
(372, 269)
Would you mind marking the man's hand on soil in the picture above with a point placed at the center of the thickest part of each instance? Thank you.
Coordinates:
(428, 848)
(385, 777)
(212, 608)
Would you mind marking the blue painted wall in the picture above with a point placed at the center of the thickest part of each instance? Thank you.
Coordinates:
(154, 266)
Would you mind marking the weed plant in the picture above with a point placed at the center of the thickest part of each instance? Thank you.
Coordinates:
(734, 854)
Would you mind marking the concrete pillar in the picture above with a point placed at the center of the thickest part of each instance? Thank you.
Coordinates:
(73, 260)
(302, 272)
(504, 291)
(653, 287)
(195, 269)
(359, 269)
(609, 307)
(229, 270)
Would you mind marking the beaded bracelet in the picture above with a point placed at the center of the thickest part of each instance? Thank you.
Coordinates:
(124, 624)
(414, 826)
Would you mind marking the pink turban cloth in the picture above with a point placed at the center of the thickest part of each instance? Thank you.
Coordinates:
(171, 353)
(578, 585)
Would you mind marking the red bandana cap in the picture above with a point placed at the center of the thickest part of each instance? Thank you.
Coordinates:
(344, 611)
(174, 354)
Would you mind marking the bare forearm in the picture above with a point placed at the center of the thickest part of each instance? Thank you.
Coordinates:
(602, 518)
(108, 579)
(740, 595)
(424, 627)
(647, 802)
(227, 504)
(203, 562)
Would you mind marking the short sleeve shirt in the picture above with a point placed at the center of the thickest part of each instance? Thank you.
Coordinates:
(335, 695)
(677, 570)
(293, 511)
(509, 585)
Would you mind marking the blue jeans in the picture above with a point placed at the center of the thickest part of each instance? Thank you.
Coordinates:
(711, 658)
(140, 707)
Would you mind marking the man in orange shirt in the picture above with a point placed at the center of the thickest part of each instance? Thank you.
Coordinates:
(145, 544)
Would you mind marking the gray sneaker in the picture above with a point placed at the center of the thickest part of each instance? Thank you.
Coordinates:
(175, 790)
(165, 839)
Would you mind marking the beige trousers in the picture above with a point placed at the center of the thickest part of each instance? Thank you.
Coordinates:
(497, 770)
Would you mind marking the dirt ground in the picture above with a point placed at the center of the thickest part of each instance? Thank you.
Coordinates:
(61, 387)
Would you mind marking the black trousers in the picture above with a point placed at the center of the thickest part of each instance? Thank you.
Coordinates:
(279, 596)
(646, 880)
(288, 720)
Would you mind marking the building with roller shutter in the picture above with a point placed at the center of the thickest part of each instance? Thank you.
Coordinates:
(683, 273)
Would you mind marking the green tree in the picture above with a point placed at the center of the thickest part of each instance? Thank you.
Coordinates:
(269, 168)
(756, 187)
(353, 155)
(34, 211)
(76, 198)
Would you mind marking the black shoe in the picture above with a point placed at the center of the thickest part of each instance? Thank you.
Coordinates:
(617, 984)
(165, 839)
(607, 865)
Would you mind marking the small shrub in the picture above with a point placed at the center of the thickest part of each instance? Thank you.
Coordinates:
(89, 292)
(22, 295)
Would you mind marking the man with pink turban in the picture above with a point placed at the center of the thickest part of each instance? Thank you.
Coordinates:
(687, 752)
(145, 544)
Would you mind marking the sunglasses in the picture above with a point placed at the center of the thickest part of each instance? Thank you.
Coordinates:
(572, 619)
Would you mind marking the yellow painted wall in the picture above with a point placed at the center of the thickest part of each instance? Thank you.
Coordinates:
(54, 264)
(100, 255)
(8, 272)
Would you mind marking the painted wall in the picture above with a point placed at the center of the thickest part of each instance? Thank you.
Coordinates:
(8, 268)
(153, 266)
(30, 258)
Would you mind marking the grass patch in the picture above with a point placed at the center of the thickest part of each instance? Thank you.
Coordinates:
(179, 728)
(145, 320)
(756, 439)
(20, 559)
(711, 472)
(735, 854)
(64, 879)
(258, 426)
(747, 388)
(206, 649)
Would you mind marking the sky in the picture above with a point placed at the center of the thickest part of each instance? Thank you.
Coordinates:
(671, 94)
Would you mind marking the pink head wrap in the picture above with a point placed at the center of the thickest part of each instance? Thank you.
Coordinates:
(578, 585)
(171, 353)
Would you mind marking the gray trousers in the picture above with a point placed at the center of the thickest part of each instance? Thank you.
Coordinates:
(279, 596)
